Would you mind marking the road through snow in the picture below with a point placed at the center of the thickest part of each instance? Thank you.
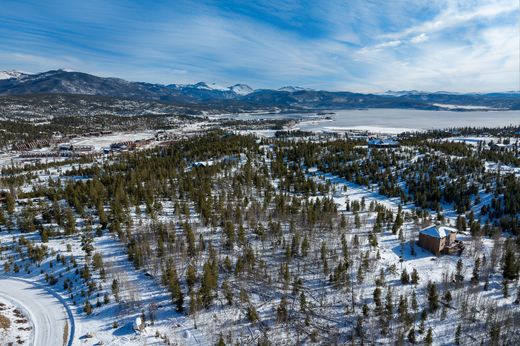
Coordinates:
(45, 309)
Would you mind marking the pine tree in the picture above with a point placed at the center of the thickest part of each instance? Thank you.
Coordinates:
(428, 340)
(281, 311)
(411, 336)
(208, 285)
(505, 288)
(303, 302)
(87, 307)
(221, 341)
(494, 334)
(403, 309)
(229, 232)
(174, 286)
(190, 239)
(458, 334)
(70, 222)
(389, 306)
(405, 278)
(10, 203)
(475, 278)
(510, 271)
(360, 328)
(191, 276)
(415, 276)
(305, 246)
(241, 235)
(458, 276)
(252, 315)
(433, 297)
(424, 315)
(228, 293)
(115, 289)
(447, 297)
(377, 298)
(415, 305)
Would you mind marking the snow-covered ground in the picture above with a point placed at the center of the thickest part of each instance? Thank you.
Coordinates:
(105, 140)
(50, 317)
(15, 327)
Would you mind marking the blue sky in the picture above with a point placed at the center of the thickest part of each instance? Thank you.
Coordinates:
(358, 45)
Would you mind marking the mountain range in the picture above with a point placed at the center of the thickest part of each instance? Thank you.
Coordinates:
(286, 98)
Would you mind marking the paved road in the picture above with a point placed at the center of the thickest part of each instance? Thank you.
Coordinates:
(48, 314)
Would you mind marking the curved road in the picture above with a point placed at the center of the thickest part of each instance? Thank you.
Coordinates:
(47, 312)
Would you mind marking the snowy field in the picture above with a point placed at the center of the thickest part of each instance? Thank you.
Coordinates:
(103, 141)
(15, 327)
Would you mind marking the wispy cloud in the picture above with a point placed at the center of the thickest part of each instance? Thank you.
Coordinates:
(459, 13)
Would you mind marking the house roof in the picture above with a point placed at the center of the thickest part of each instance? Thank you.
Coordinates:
(438, 231)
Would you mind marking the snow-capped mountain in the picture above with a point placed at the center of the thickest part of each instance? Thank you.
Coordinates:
(70, 82)
(241, 89)
(12, 74)
(293, 89)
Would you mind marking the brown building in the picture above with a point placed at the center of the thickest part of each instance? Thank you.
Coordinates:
(440, 239)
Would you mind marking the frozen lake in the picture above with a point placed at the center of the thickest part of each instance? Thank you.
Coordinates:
(395, 120)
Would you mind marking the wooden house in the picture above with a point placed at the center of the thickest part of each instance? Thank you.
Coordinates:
(439, 239)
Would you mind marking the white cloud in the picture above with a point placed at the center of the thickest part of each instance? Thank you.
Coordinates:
(419, 38)
(455, 15)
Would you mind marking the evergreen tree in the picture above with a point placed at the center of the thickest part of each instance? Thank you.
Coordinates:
(458, 334)
(405, 277)
(115, 289)
(191, 276)
(377, 297)
(411, 336)
(510, 271)
(433, 296)
(10, 203)
(208, 285)
(87, 307)
(458, 276)
(475, 278)
(428, 340)
(281, 311)
(415, 276)
(252, 315)
(494, 334)
(174, 286)
(221, 341)
(228, 293)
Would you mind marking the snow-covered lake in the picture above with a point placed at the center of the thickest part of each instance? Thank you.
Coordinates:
(395, 120)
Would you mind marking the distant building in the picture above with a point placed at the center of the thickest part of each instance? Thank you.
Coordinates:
(439, 240)
(383, 143)
(202, 163)
(65, 147)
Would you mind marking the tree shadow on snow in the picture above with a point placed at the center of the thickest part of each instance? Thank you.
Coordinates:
(405, 251)
(125, 329)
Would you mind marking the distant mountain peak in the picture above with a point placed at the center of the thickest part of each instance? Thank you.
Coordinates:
(241, 89)
(293, 89)
(12, 74)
